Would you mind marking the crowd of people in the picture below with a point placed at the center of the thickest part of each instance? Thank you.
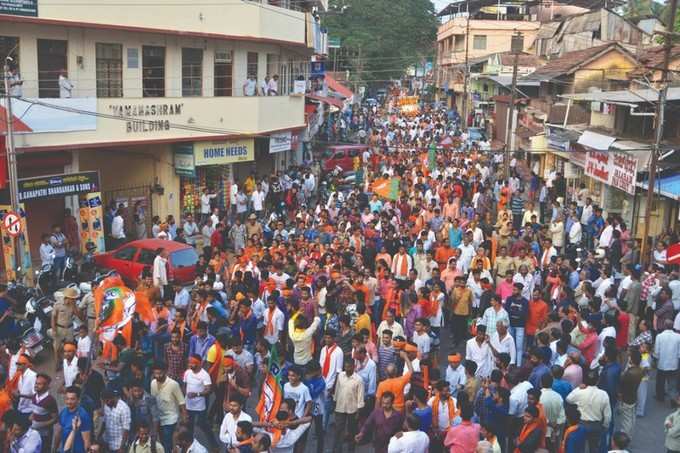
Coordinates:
(468, 313)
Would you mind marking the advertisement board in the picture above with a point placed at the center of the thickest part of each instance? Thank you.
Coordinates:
(58, 185)
(615, 169)
(224, 152)
(19, 7)
(282, 141)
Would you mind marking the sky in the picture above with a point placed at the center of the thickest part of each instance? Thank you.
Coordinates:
(439, 4)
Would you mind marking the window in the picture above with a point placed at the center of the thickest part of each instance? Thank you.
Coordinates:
(192, 72)
(125, 254)
(109, 70)
(146, 257)
(51, 61)
(9, 46)
(184, 258)
(153, 71)
(272, 64)
(251, 66)
(479, 42)
(459, 43)
(224, 73)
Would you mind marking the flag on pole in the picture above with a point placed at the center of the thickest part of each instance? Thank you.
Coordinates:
(271, 394)
(432, 157)
(386, 188)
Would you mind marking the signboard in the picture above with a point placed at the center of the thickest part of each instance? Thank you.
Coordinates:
(225, 152)
(282, 141)
(299, 87)
(152, 117)
(19, 7)
(12, 223)
(318, 68)
(615, 169)
(184, 160)
(58, 185)
(334, 42)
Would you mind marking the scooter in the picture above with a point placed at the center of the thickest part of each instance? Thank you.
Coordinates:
(32, 340)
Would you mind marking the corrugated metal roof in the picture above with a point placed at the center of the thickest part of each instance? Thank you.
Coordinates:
(571, 61)
(633, 97)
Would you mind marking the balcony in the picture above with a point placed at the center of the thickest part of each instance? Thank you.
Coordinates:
(50, 124)
(247, 20)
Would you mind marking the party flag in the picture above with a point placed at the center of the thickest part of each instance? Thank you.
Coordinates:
(271, 394)
(386, 188)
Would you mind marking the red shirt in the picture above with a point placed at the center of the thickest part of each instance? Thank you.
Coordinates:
(538, 312)
(622, 330)
(216, 239)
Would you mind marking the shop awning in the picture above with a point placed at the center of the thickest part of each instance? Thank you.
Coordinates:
(338, 87)
(326, 100)
(668, 186)
(596, 141)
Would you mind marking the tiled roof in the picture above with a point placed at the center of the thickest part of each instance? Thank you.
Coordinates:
(570, 61)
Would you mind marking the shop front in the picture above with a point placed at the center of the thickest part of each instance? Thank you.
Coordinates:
(214, 165)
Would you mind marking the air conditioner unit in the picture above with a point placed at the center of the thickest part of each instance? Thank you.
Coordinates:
(223, 57)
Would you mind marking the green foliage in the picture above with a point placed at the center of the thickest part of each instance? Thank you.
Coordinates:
(381, 38)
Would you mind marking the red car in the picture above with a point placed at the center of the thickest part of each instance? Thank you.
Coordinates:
(342, 156)
(131, 258)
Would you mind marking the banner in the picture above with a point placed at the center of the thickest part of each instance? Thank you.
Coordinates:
(8, 257)
(386, 188)
(282, 141)
(19, 7)
(95, 222)
(615, 169)
(220, 153)
(26, 261)
(58, 185)
(184, 160)
(84, 218)
(57, 115)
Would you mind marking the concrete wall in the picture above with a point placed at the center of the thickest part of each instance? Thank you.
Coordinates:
(234, 18)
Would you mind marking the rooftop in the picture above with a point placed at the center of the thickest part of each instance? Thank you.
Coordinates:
(572, 61)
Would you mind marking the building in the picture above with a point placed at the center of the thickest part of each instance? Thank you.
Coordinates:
(471, 35)
(158, 107)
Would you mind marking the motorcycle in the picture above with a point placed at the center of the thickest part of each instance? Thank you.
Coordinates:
(32, 340)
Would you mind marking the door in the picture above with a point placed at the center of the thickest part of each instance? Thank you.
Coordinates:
(51, 62)
(122, 262)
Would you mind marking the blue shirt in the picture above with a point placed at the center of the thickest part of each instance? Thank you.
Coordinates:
(455, 237)
(562, 387)
(609, 381)
(200, 346)
(425, 417)
(537, 373)
(66, 420)
(576, 441)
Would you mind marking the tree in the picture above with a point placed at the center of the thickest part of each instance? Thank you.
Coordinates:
(381, 38)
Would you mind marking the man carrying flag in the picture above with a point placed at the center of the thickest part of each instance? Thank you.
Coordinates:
(271, 394)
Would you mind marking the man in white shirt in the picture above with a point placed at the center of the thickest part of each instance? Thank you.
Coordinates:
(502, 342)
(70, 363)
(46, 251)
(206, 197)
(467, 252)
(231, 419)
(198, 387)
(455, 374)
(410, 441)
(160, 270)
(478, 350)
(595, 408)
(15, 83)
(273, 86)
(330, 359)
(666, 352)
(118, 229)
(257, 199)
(273, 322)
(65, 85)
(26, 385)
(575, 231)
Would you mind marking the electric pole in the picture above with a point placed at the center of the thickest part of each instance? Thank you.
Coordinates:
(12, 162)
(660, 113)
(517, 46)
(467, 68)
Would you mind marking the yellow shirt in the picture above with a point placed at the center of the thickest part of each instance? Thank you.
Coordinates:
(363, 322)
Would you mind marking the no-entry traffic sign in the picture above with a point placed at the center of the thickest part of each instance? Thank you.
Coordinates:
(12, 223)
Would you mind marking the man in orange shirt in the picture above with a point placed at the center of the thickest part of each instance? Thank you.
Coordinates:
(395, 384)
(537, 316)
(443, 253)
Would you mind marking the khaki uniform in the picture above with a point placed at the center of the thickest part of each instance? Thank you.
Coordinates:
(527, 261)
(502, 265)
(63, 315)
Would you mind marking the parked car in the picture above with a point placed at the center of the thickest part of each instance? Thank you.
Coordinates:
(130, 259)
(341, 156)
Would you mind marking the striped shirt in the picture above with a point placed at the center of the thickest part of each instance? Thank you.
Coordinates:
(386, 356)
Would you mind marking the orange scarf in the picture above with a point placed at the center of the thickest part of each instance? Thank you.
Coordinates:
(327, 360)
(435, 411)
(527, 430)
(270, 324)
(563, 445)
(13, 384)
(197, 316)
(403, 267)
(214, 370)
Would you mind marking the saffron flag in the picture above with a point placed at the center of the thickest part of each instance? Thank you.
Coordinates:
(386, 188)
(271, 394)
(432, 157)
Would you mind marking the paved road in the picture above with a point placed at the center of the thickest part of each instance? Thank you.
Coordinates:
(648, 435)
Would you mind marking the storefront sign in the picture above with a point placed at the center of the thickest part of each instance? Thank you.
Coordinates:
(282, 141)
(184, 160)
(146, 117)
(58, 185)
(19, 7)
(615, 169)
(220, 153)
